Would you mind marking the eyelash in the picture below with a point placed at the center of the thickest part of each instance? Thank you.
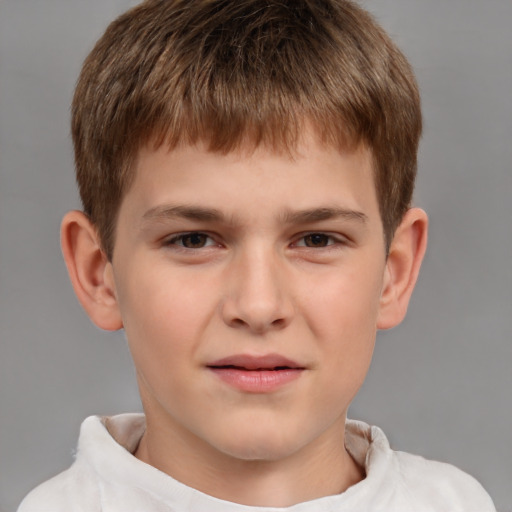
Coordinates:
(330, 239)
(179, 240)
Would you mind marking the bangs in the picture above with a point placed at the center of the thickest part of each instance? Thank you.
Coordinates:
(243, 73)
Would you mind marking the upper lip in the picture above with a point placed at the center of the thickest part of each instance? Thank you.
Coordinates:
(250, 362)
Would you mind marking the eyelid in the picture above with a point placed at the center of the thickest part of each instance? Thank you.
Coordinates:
(334, 238)
(173, 240)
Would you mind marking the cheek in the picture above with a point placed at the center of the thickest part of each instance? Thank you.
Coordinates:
(342, 314)
(162, 319)
(345, 303)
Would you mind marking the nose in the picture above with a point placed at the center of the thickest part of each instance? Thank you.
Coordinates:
(257, 296)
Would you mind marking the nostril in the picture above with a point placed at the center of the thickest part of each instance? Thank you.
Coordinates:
(260, 327)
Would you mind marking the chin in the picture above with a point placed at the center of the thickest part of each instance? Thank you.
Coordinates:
(260, 445)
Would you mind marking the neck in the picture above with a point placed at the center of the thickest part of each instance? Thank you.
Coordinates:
(322, 468)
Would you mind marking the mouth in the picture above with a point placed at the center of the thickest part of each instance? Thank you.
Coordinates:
(270, 362)
(256, 374)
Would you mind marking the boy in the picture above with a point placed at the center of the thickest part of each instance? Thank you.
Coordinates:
(246, 170)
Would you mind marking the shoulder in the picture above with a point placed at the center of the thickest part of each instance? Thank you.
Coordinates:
(401, 481)
(104, 455)
(77, 489)
(442, 486)
(60, 493)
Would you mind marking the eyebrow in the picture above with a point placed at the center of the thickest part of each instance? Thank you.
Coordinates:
(197, 213)
(320, 214)
(202, 214)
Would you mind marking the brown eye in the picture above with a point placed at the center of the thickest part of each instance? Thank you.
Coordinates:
(192, 240)
(316, 240)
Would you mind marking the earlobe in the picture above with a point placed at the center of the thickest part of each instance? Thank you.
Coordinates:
(402, 267)
(90, 271)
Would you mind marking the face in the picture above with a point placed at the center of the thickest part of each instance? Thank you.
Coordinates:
(249, 285)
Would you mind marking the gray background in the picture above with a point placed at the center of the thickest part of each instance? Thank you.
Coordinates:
(440, 384)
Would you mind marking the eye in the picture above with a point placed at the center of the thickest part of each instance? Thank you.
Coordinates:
(315, 240)
(194, 240)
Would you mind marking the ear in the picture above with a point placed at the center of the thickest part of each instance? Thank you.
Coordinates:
(402, 267)
(90, 271)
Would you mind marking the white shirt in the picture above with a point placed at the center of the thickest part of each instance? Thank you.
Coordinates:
(107, 477)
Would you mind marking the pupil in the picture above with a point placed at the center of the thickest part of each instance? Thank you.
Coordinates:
(316, 240)
(195, 240)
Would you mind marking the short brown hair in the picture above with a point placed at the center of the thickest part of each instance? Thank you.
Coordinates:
(232, 72)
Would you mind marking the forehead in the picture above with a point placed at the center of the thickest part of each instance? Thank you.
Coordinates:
(252, 186)
(250, 195)
(255, 171)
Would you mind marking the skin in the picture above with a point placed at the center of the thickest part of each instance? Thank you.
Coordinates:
(250, 253)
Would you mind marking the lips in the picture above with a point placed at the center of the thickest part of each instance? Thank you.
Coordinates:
(257, 363)
(256, 374)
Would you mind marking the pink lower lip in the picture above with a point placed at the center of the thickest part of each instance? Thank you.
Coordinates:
(256, 381)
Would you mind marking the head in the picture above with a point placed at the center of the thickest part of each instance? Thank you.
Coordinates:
(246, 169)
(232, 74)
